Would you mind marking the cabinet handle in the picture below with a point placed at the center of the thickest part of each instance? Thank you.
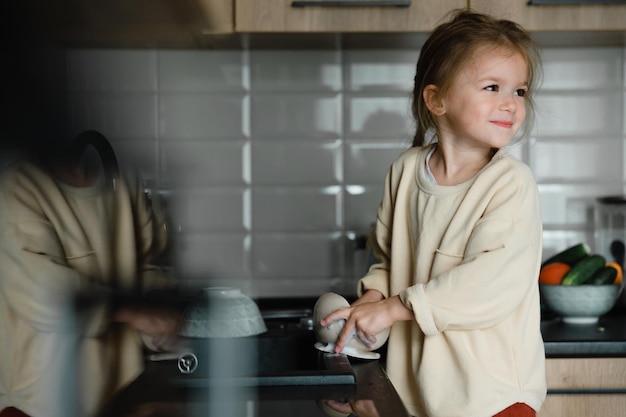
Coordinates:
(570, 2)
(351, 3)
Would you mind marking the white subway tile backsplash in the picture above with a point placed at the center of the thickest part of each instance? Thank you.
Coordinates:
(380, 69)
(623, 120)
(294, 70)
(128, 115)
(196, 163)
(140, 154)
(194, 72)
(582, 68)
(275, 159)
(212, 256)
(202, 115)
(589, 159)
(572, 205)
(301, 115)
(203, 210)
(297, 210)
(590, 114)
(367, 162)
(296, 162)
(297, 256)
(289, 287)
(112, 70)
(361, 206)
(379, 116)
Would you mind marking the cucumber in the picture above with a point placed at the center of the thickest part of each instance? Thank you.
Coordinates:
(570, 256)
(604, 276)
(583, 270)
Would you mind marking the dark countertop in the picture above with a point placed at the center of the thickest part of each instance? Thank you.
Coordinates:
(151, 395)
(373, 390)
(606, 338)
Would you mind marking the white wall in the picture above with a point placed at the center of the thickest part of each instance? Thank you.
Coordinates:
(274, 160)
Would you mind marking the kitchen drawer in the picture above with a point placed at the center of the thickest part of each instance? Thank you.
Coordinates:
(584, 405)
(586, 374)
(585, 387)
(119, 23)
(284, 16)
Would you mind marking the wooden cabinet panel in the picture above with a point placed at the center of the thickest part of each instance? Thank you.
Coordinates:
(281, 16)
(140, 23)
(586, 373)
(606, 17)
(584, 405)
(585, 387)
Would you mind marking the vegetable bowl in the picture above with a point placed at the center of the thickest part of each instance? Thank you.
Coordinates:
(580, 286)
(580, 304)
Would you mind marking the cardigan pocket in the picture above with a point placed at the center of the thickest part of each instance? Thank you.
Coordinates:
(444, 261)
(85, 264)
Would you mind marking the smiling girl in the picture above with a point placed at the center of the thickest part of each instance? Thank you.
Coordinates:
(458, 235)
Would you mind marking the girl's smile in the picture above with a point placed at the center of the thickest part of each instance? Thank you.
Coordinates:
(504, 124)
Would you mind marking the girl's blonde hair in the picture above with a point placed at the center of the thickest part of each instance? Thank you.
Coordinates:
(452, 44)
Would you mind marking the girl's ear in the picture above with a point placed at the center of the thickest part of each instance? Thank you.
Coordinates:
(432, 100)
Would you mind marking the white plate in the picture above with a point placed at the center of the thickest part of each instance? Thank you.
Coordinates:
(348, 350)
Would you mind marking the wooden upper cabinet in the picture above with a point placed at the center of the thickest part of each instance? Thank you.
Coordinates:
(139, 23)
(561, 17)
(352, 16)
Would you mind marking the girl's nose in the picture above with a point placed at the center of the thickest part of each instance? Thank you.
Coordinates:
(508, 102)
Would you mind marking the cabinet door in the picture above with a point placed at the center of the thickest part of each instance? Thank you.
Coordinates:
(122, 23)
(585, 387)
(584, 405)
(563, 17)
(326, 16)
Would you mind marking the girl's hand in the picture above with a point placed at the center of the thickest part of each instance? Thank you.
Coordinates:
(366, 318)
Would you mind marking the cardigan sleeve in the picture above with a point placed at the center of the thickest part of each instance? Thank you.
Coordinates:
(378, 276)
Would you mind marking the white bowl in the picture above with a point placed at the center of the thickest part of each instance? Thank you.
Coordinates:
(327, 335)
(580, 304)
(224, 312)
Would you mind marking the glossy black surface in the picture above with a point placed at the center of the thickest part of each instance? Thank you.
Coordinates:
(153, 394)
(285, 355)
(276, 374)
(607, 338)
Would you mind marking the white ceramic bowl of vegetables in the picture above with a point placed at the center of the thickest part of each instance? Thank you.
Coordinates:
(580, 286)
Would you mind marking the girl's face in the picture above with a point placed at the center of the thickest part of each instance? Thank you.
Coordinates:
(484, 106)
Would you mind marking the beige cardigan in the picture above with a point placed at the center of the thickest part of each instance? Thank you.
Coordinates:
(56, 240)
(465, 259)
